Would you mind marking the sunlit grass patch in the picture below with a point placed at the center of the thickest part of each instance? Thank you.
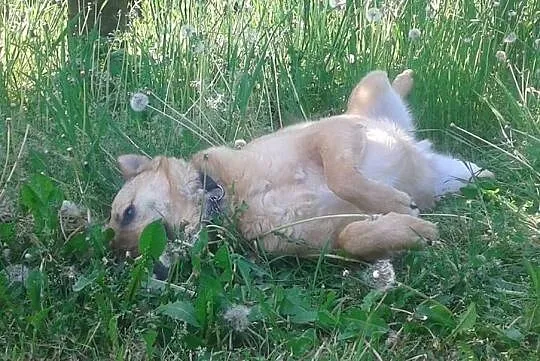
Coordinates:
(188, 74)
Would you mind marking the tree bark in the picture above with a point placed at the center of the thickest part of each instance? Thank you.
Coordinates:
(108, 15)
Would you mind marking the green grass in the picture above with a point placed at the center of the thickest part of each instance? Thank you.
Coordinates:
(473, 296)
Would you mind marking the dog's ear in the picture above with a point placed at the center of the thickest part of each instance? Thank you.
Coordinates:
(132, 164)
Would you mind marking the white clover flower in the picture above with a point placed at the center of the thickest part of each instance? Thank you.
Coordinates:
(510, 37)
(337, 4)
(139, 102)
(351, 59)
(501, 56)
(240, 143)
(237, 317)
(373, 15)
(414, 34)
(537, 44)
(512, 13)
(187, 31)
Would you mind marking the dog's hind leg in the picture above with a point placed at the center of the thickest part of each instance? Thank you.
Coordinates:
(374, 97)
(403, 83)
(370, 240)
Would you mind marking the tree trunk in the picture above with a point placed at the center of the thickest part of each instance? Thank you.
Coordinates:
(108, 15)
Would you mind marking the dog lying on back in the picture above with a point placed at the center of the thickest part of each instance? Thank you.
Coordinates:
(365, 161)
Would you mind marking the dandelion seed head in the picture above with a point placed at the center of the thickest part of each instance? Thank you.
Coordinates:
(381, 275)
(197, 84)
(512, 13)
(501, 56)
(346, 273)
(373, 15)
(187, 31)
(70, 209)
(392, 339)
(240, 143)
(467, 40)
(510, 38)
(199, 47)
(16, 272)
(496, 4)
(237, 317)
(215, 101)
(138, 102)
(414, 34)
(337, 4)
(432, 8)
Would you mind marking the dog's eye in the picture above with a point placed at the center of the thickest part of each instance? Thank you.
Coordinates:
(129, 214)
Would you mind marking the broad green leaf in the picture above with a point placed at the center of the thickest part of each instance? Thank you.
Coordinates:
(467, 319)
(181, 311)
(149, 338)
(223, 261)
(153, 240)
(42, 198)
(197, 249)
(84, 281)
(513, 334)
(304, 316)
(438, 314)
(34, 288)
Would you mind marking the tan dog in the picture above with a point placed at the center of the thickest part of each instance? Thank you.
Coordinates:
(365, 161)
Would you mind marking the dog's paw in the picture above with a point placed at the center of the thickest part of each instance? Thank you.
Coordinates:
(424, 231)
(403, 203)
(403, 83)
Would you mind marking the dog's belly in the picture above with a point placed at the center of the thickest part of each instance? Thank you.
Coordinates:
(280, 207)
(393, 158)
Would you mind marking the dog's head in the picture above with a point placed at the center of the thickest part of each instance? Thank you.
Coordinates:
(162, 188)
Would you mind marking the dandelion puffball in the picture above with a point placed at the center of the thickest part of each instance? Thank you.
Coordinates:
(237, 317)
(373, 15)
(240, 143)
(510, 38)
(337, 4)
(414, 34)
(187, 31)
(139, 102)
(501, 56)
